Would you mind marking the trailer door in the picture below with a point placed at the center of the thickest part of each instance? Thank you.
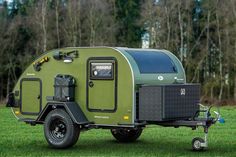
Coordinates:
(30, 95)
(101, 85)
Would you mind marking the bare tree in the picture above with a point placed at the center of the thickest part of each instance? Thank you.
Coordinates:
(233, 8)
(57, 22)
(181, 32)
(44, 23)
(220, 57)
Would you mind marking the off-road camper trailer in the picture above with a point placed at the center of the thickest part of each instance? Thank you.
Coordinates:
(122, 89)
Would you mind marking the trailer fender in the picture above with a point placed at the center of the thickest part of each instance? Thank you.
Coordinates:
(72, 108)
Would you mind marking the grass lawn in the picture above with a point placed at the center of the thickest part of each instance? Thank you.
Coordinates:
(19, 139)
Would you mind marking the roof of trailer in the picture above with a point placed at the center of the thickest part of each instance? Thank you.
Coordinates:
(151, 60)
(137, 49)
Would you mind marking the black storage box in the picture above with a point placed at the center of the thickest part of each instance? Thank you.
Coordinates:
(168, 102)
(64, 88)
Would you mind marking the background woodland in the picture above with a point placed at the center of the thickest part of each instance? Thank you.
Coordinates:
(202, 34)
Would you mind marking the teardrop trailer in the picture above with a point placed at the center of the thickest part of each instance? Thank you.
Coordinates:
(122, 89)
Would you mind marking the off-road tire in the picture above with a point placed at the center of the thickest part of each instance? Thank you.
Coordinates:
(59, 129)
(126, 135)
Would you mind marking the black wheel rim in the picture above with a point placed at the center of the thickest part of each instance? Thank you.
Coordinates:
(57, 129)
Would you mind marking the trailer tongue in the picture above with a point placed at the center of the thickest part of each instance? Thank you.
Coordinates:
(205, 122)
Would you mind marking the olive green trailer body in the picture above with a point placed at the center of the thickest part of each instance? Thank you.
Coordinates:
(110, 101)
(123, 89)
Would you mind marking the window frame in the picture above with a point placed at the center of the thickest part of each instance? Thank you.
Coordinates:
(91, 75)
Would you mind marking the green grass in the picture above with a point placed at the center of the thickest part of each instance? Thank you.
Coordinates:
(19, 139)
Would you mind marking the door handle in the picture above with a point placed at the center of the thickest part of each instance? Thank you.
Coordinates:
(91, 84)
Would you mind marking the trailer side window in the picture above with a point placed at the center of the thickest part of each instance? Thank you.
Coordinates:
(101, 71)
(153, 61)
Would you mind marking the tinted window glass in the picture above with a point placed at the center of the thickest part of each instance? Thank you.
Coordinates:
(101, 71)
(153, 61)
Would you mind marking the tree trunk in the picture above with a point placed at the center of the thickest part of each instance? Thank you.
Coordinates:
(181, 32)
(92, 23)
(44, 9)
(91, 31)
(57, 23)
(234, 13)
(75, 30)
(1, 88)
(207, 43)
(234, 88)
(212, 93)
(227, 58)
(79, 23)
(168, 27)
(220, 58)
(234, 74)
(8, 81)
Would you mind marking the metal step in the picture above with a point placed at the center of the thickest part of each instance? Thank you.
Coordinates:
(28, 121)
